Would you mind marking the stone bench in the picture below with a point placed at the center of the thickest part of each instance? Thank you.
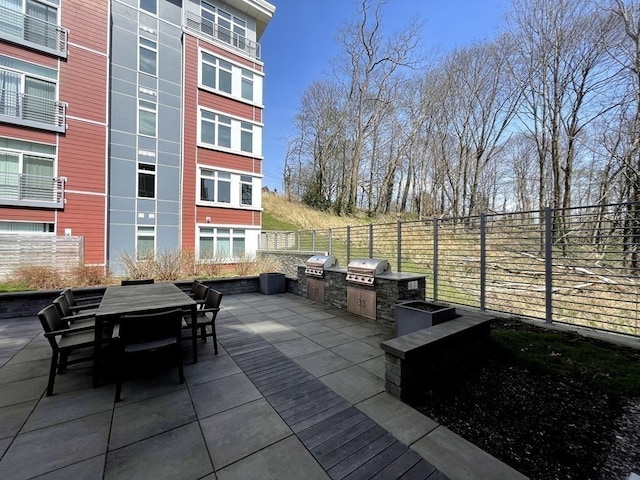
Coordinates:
(427, 355)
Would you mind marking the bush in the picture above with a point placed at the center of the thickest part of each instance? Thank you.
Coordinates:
(88, 276)
(39, 278)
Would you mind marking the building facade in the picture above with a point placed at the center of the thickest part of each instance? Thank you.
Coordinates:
(135, 124)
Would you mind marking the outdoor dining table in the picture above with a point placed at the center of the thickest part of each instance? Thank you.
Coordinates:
(121, 300)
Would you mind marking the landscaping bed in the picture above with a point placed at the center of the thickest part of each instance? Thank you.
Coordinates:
(551, 405)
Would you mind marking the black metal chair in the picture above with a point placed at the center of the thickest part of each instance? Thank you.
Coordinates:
(85, 318)
(63, 340)
(77, 305)
(200, 293)
(145, 334)
(137, 281)
(206, 317)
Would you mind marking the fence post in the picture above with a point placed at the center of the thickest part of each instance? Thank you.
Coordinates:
(298, 239)
(371, 240)
(399, 268)
(276, 245)
(348, 243)
(483, 260)
(330, 241)
(313, 240)
(548, 264)
(436, 227)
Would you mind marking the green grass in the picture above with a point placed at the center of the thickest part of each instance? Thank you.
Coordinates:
(269, 222)
(601, 365)
(6, 287)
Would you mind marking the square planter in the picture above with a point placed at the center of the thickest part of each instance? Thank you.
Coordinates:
(271, 283)
(418, 314)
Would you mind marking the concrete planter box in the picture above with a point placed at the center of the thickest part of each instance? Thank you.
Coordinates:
(271, 283)
(418, 314)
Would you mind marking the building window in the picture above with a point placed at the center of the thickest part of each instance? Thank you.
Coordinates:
(146, 118)
(223, 26)
(146, 180)
(246, 190)
(221, 244)
(216, 73)
(150, 6)
(215, 186)
(28, 91)
(215, 129)
(26, 227)
(246, 137)
(26, 170)
(247, 85)
(32, 20)
(148, 52)
(145, 242)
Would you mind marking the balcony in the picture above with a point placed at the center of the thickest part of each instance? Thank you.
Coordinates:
(31, 111)
(32, 32)
(218, 34)
(24, 190)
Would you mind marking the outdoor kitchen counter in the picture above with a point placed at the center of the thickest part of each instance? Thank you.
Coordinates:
(393, 276)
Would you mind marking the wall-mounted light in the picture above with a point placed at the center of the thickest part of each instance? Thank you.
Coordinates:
(208, 219)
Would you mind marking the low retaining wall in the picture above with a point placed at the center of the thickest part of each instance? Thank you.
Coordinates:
(426, 356)
(28, 304)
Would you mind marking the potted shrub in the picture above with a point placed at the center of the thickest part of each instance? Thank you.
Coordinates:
(415, 315)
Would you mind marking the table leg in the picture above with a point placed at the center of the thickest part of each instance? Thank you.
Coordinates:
(194, 332)
(97, 351)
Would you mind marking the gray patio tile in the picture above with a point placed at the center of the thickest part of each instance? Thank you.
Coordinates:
(4, 359)
(282, 313)
(322, 362)
(61, 408)
(361, 330)
(286, 459)
(150, 384)
(4, 444)
(320, 315)
(330, 339)
(298, 347)
(338, 322)
(311, 328)
(273, 331)
(265, 307)
(222, 394)
(89, 469)
(375, 366)
(406, 424)
(354, 384)
(292, 320)
(210, 369)
(29, 354)
(177, 454)
(75, 377)
(457, 458)
(22, 391)
(12, 417)
(260, 427)
(357, 351)
(139, 420)
(14, 371)
(376, 340)
(56, 447)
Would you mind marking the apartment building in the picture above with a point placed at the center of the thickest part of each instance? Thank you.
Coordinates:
(135, 124)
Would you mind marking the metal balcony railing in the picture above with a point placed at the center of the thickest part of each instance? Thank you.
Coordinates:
(31, 111)
(32, 32)
(196, 23)
(23, 190)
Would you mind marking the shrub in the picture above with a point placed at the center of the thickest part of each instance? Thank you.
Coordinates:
(88, 276)
(39, 278)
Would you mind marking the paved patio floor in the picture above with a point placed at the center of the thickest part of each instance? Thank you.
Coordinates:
(296, 392)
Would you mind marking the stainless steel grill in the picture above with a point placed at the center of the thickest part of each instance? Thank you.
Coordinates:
(364, 270)
(316, 264)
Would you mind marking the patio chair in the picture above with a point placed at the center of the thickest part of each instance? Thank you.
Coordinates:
(63, 340)
(137, 281)
(145, 334)
(200, 293)
(77, 305)
(206, 316)
(85, 318)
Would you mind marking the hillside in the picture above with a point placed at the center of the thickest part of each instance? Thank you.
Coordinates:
(284, 215)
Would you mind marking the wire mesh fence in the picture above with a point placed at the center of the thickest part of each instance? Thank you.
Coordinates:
(578, 266)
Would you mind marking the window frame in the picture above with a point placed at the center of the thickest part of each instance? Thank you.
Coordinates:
(148, 109)
(21, 154)
(237, 179)
(155, 6)
(145, 232)
(142, 171)
(217, 233)
(209, 120)
(241, 77)
(149, 48)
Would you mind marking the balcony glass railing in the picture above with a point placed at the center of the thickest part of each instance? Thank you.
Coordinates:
(23, 190)
(32, 32)
(32, 111)
(214, 31)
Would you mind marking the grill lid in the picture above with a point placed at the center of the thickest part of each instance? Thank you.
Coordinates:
(368, 266)
(317, 263)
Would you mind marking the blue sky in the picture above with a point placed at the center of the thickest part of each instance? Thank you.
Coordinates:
(299, 43)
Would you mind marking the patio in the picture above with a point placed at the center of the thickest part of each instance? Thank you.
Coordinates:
(297, 391)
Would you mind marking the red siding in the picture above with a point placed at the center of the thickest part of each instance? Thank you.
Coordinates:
(84, 215)
(215, 49)
(228, 160)
(27, 215)
(34, 56)
(226, 216)
(88, 23)
(81, 157)
(28, 134)
(83, 85)
(230, 106)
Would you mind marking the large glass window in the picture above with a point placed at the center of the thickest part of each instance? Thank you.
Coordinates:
(146, 180)
(221, 244)
(215, 186)
(150, 6)
(246, 190)
(222, 25)
(246, 137)
(215, 129)
(145, 242)
(146, 118)
(222, 76)
(247, 85)
(148, 53)
(26, 170)
(216, 73)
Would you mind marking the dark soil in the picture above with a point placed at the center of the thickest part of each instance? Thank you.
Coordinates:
(544, 422)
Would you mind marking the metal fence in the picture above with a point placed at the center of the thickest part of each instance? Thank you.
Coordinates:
(578, 266)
